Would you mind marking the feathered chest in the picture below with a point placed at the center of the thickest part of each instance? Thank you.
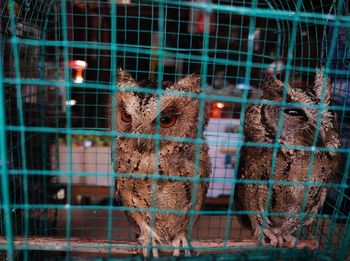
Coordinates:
(136, 191)
(289, 165)
(171, 160)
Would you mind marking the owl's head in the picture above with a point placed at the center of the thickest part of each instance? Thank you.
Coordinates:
(299, 123)
(137, 111)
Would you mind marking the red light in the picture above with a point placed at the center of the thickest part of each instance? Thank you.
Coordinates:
(78, 64)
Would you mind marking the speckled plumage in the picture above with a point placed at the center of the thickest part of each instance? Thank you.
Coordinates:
(299, 125)
(137, 156)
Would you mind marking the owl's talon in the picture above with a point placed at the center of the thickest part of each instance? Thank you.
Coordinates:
(277, 240)
(176, 252)
(185, 244)
(271, 238)
(145, 252)
(274, 242)
(176, 243)
(155, 252)
(280, 241)
(289, 240)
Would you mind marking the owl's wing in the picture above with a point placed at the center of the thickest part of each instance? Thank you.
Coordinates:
(205, 170)
(240, 189)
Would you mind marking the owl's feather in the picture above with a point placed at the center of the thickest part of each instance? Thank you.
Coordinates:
(138, 157)
(291, 165)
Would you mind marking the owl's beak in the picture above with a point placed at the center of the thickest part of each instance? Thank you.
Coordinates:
(141, 144)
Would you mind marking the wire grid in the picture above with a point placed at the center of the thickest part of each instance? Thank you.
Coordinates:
(44, 139)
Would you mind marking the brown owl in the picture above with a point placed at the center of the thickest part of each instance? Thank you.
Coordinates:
(136, 114)
(291, 165)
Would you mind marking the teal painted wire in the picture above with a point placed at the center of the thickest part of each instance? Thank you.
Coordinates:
(279, 42)
(344, 247)
(99, 55)
(185, 94)
(146, 51)
(346, 172)
(263, 13)
(169, 138)
(85, 51)
(318, 231)
(228, 46)
(345, 242)
(19, 100)
(252, 21)
(162, 50)
(280, 121)
(42, 111)
(216, 24)
(199, 134)
(160, 72)
(5, 193)
(152, 43)
(167, 211)
(177, 60)
(228, 219)
(138, 38)
(113, 114)
(175, 178)
(65, 43)
(318, 125)
(190, 29)
(237, 156)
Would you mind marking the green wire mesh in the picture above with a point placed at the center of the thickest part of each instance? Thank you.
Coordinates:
(55, 133)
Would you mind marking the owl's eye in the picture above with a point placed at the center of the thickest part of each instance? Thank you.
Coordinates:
(125, 116)
(294, 112)
(168, 121)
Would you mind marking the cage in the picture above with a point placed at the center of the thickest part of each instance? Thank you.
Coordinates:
(59, 63)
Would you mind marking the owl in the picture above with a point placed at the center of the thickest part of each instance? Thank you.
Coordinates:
(291, 164)
(174, 161)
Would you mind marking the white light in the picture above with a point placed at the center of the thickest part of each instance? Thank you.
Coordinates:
(78, 79)
(242, 86)
(87, 143)
(71, 102)
(80, 63)
(220, 105)
(60, 194)
(279, 66)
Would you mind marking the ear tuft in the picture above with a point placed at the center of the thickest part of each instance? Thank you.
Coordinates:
(320, 80)
(191, 83)
(270, 85)
(125, 79)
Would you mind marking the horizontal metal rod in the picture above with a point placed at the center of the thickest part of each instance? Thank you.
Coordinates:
(133, 247)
